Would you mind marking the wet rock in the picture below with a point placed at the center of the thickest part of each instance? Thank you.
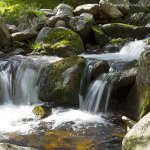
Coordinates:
(82, 25)
(64, 9)
(101, 38)
(127, 77)
(6, 146)
(119, 30)
(99, 68)
(24, 35)
(110, 9)
(62, 82)
(2, 54)
(138, 137)
(15, 52)
(54, 19)
(58, 41)
(4, 34)
(42, 111)
(93, 9)
(11, 28)
(60, 23)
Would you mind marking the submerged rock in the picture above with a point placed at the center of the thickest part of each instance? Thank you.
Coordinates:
(138, 137)
(58, 41)
(62, 82)
(119, 30)
(42, 111)
(6, 146)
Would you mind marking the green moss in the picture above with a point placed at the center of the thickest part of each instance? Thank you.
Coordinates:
(125, 25)
(62, 42)
(117, 40)
(101, 38)
(56, 89)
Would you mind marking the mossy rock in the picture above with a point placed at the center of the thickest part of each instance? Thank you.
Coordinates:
(119, 30)
(62, 82)
(59, 41)
(101, 38)
(41, 111)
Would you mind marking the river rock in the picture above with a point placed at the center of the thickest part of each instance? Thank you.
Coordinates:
(47, 12)
(60, 23)
(115, 45)
(4, 34)
(119, 30)
(93, 9)
(11, 28)
(64, 9)
(24, 35)
(54, 19)
(143, 81)
(138, 137)
(31, 21)
(99, 68)
(42, 111)
(139, 19)
(127, 77)
(6, 146)
(61, 83)
(58, 41)
(110, 9)
(100, 37)
(82, 25)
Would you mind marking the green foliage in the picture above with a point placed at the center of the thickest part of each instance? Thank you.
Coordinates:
(13, 10)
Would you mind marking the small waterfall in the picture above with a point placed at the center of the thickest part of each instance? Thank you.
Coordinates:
(20, 78)
(95, 98)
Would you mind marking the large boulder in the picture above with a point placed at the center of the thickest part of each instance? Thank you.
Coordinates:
(110, 9)
(6, 146)
(138, 137)
(93, 9)
(82, 25)
(143, 81)
(119, 30)
(58, 41)
(64, 9)
(24, 35)
(4, 34)
(61, 83)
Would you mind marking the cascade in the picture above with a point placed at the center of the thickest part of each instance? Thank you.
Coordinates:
(95, 98)
(20, 78)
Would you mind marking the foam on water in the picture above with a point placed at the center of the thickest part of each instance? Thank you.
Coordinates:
(21, 119)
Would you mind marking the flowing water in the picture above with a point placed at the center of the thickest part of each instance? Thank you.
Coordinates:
(20, 78)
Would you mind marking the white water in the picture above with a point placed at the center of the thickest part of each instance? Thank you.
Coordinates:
(129, 52)
(95, 92)
(21, 119)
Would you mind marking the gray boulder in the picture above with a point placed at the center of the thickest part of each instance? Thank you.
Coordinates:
(138, 137)
(64, 9)
(47, 12)
(82, 25)
(4, 34)
(6, 146)
(60, 23)
(24, 35)
(11, 28)
(53, 20)
(93, 9)
(110, 9)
